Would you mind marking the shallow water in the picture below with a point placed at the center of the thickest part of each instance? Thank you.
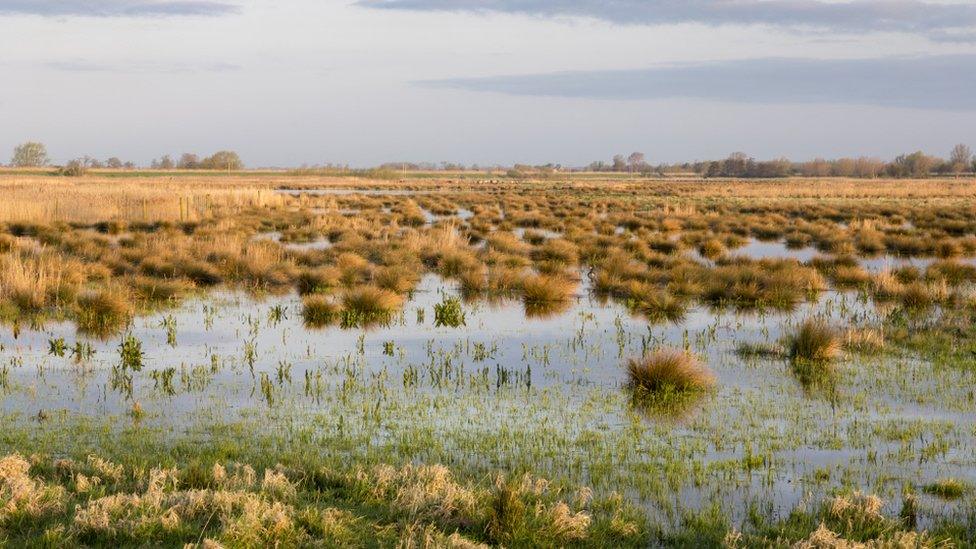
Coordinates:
(367, 192)
(508, 391)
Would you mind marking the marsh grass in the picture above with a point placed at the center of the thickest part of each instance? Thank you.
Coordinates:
(864, 340)
(948, 488)
(762, 350)
(319, 311)
(545, 289)
(813, 342)
(103, 312)
(666, 374)
(318, 280)
(361, 414)
(368, 304)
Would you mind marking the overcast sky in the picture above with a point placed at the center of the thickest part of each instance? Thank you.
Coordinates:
(287, 82)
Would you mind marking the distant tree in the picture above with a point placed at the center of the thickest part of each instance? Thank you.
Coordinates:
(113, 163)
(188, 161)
(817, 167)
(960, 158)
(619, 164)
(30, 155)
(223, 160)
(635, 161)
(736, 165)
(868, 167)
(917, 164)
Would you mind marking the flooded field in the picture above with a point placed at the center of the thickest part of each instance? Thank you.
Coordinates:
(502, 332)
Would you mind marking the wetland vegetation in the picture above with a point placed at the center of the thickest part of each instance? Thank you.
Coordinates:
(312, 360)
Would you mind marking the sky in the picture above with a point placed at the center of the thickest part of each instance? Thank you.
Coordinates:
(362, 82)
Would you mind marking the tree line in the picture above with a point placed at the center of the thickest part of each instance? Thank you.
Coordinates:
(220, 160)
(914, 165)
(34, 155)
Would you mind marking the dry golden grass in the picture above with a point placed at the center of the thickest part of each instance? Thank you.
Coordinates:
(36, 198)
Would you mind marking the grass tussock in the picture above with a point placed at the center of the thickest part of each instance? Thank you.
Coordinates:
(103, 312)
(948, 488)
(370, 303)
(319, 310)
(668, 371)
(544, 289)
(813, 342)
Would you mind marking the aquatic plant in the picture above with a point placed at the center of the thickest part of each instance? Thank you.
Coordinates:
(449, 313)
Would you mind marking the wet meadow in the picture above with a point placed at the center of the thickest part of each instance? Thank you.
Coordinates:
(294, 360)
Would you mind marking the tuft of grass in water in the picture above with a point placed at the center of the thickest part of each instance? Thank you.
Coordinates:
(318, 280)
(542, 289)
(103, 312)
(656, 305)
(130, 353)
(712, 248)
(319, 311)
(947, 488)
(813, 342)
(156, 291)
(668, 371)
(370, 304)
(396, 278)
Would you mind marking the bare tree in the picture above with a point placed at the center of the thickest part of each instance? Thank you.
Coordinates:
(188, 161)
(635, 161)
(960, 158)
(30, 155)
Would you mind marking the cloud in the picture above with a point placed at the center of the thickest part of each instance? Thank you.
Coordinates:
(932, 82)
(115, 8)
(914, 16)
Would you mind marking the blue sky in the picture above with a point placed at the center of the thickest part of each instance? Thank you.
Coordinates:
(287, 82)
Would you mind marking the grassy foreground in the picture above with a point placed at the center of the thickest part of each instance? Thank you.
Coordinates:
(142, 487)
